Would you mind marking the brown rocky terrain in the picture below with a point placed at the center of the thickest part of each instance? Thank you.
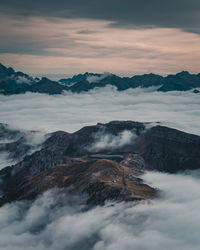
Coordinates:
(112, 171)
(97, 180)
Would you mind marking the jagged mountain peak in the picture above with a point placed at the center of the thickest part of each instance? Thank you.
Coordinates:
(183, 73)
(12, 82)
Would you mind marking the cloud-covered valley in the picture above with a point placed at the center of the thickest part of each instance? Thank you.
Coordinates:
(70, 112)
(53, 222)
(169, 222)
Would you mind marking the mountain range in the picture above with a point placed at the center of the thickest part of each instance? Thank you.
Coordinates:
(98, 163)
(12, 82)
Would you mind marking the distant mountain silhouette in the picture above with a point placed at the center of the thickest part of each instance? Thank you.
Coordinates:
(12, 82)
(77, 78)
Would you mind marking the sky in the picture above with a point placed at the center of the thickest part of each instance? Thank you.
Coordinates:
(123, 37)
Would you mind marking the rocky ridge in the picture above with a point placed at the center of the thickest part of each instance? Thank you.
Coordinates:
(74, 161)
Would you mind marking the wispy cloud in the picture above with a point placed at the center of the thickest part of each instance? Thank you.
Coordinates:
(91, 79)
(58, 45)
(103, 141)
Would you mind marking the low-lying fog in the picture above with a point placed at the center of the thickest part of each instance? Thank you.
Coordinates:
(171, 221)
(70, 112)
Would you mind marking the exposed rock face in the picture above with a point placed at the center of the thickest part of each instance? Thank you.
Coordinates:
(169, 150)
(101, 173)
(12, 82)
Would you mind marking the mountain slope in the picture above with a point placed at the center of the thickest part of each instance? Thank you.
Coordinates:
(100, 162)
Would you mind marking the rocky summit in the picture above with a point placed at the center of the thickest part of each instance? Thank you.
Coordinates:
(98, 163)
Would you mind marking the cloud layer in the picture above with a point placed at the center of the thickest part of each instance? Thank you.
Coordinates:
(129, 13)
(169, 222)
(57, 222)
(71, 112)
(49, 45)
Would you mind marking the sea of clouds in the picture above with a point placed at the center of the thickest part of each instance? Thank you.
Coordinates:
(53, 222)
(171, 221)
(70, 112)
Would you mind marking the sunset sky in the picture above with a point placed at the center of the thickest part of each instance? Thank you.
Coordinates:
(123, 37)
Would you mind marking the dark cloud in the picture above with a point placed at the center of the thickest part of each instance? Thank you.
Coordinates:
(128, 13)
(117, 36)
